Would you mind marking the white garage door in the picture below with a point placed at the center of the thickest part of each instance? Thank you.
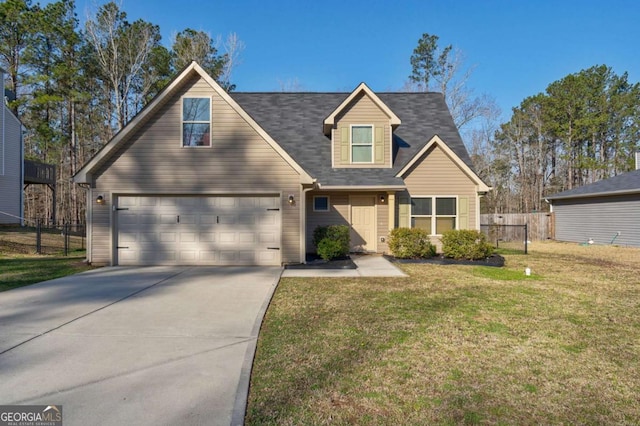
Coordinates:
(198, 230)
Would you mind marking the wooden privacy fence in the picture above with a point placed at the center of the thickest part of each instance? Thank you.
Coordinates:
(541, 226)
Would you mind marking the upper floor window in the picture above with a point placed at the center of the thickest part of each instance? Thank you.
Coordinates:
(196, 121)
(444, 218)
(362, 144)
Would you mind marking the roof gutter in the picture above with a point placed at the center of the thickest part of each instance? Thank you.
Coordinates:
(362, 187)
(595, 194)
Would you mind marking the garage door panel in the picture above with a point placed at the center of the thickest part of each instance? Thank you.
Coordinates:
(147, 201)
(187, 219)
(208, 219)
(188, 237)
(150, 257)
(207, 237)
(167, 237)
(227, 219)
(228, 237)
(208, 257)
(168, 219)
(198, 230)
(247, 237)
(189, 256)
(227, 202)
(268, 220)
(148, 237)
(267, 237)
(129, 218)
(168, 201)
(246, 219)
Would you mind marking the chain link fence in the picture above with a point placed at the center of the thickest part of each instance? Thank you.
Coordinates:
(508, 237)
(40, 237)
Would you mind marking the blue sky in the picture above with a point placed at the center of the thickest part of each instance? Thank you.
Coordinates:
(516, 47)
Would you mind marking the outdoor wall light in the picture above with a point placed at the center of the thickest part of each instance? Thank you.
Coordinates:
(291, 199)
(382, 199)
(100, 199)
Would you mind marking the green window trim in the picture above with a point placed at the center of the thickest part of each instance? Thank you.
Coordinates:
(435, 214)
(362, 146)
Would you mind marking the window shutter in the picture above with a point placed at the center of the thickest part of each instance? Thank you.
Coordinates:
(344, 145)
(463, 213)
(404, 210)
(379, 145)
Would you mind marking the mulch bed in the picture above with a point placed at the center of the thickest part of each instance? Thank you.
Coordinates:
(493, 260)
(316, 262)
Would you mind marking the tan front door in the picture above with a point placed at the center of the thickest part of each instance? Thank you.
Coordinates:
(363, 223)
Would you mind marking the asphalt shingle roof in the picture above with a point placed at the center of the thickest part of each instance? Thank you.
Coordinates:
(295, 121)
(625, 183)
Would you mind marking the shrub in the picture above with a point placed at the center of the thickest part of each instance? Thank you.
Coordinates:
(466, 244)
(410, 243)
(331, 241)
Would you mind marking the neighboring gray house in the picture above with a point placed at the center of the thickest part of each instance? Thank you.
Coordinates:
(204, 177)
(607, 211)
(11, 163)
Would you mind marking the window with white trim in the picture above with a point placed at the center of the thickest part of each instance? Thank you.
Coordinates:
(361, 143)
(196, 121)
(320, 203)
(434, 214)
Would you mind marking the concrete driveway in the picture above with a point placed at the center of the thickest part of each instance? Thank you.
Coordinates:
(154, 345)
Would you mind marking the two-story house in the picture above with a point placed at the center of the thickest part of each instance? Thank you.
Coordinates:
(11, 163)
(204, 177)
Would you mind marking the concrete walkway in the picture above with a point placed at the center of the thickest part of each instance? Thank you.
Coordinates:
(369, 265)
(138, 346)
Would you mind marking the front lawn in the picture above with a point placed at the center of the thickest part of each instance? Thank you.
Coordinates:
(20, 270)
(457, 344)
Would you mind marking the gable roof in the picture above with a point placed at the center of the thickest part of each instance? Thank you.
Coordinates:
(292, 118)
(84, 174)
(362, 88)
(436, 141)
(626, 183)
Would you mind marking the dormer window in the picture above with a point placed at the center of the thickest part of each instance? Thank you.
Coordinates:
(361, 143)
(196, 121)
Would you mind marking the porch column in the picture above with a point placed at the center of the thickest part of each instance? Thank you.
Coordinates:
(391, 197)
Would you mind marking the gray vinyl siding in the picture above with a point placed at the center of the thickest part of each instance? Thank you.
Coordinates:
(153, 161)
(362, 110)
(339, 214)
(11, 164)
(599, 218)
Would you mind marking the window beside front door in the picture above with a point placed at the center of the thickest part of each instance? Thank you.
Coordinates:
(362, 144)
(320, 203)
(434, 214)
(196, 121)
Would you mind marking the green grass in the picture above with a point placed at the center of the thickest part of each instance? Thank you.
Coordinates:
(457, 344)
(20, 270)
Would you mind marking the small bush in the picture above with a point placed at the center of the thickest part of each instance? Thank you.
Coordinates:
(331, 241)
(329, 249)
(466, 244)
(410, 243)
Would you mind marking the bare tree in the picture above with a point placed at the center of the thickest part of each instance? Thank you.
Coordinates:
(443, 70)
(232, 47)
(291, 85)
(122, 50)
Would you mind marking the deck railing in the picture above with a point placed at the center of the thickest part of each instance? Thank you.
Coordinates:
(35, 172)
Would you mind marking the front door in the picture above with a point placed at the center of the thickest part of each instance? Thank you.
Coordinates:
(363, 223)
